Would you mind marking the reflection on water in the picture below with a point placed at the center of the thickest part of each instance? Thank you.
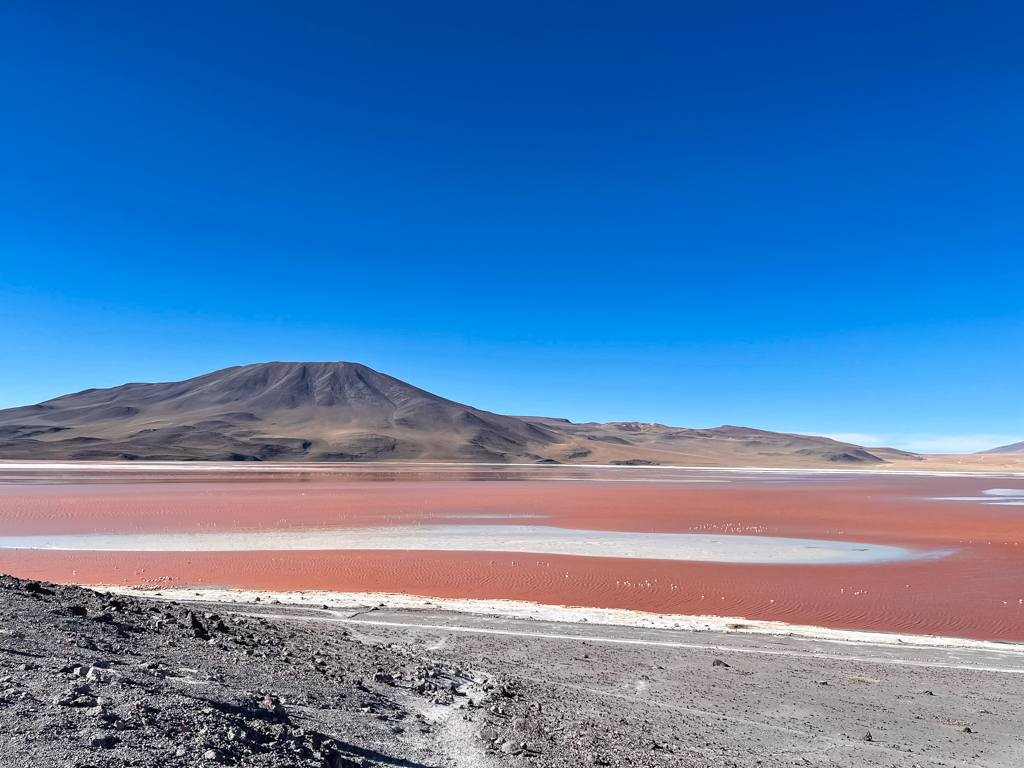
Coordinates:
(996, 496)
(128, 472)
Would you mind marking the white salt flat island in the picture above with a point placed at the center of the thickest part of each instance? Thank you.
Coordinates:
(532, 539)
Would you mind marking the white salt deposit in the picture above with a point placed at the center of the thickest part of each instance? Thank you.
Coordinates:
(536, 539)
(997, 496)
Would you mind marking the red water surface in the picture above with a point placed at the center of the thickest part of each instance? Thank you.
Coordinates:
(975, 591)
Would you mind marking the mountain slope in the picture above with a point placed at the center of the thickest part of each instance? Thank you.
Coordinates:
(722, 445)
(313, 411)
(348, 412)
(1012, 448)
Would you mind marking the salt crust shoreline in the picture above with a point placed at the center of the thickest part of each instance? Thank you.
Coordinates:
(520, 609)
(270, 467)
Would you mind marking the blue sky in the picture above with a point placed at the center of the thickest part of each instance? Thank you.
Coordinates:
(797, 216)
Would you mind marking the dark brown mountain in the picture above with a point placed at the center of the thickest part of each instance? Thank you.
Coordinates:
(348, 412)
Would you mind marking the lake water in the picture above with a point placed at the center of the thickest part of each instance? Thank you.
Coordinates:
(938, 554)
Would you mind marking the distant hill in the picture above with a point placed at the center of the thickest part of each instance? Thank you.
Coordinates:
(1012, 448)
(340, 412)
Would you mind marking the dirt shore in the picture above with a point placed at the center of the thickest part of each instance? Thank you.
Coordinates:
(97, 679)
(960, 462)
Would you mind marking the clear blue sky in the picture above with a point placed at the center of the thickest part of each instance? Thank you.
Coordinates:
(800, 216)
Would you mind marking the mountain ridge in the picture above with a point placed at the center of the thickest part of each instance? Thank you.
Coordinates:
(1011, 448)
(345, 411)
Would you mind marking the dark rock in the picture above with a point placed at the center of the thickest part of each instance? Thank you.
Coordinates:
(82, 701)
(195, 627)
(35, 588)
(338, 760)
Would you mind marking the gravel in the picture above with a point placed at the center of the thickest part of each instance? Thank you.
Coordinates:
(91, 679)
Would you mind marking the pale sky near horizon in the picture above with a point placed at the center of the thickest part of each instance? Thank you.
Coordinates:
(795, 216)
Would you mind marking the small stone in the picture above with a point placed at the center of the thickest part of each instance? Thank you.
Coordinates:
(211, 754)
(967, 729)
(867, 737)
(718, 663)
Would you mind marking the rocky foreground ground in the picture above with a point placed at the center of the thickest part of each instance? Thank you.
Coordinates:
(95, 679)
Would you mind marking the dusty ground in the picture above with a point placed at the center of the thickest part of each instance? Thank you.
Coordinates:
(960, 462)
(89, 679)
